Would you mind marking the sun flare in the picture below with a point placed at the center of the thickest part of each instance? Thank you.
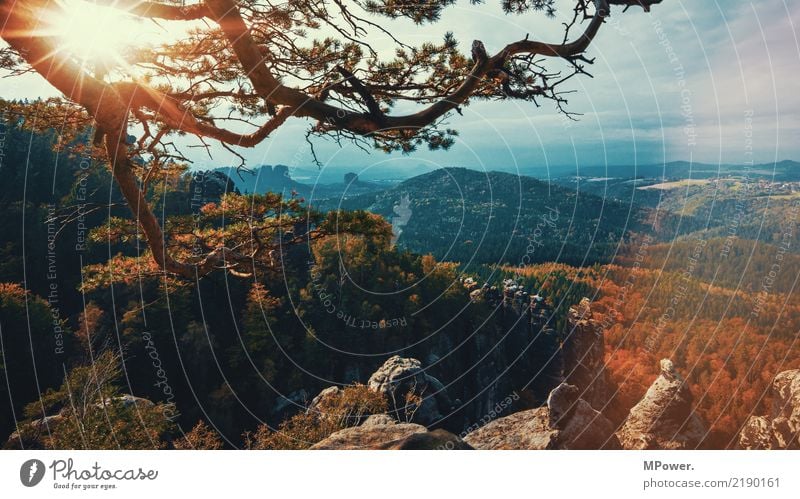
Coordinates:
(91, 32)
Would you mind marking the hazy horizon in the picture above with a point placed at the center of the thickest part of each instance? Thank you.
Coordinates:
(333, 173)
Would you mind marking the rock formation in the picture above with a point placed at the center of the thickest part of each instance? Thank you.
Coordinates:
(758, 434)
(517, 347)
(413, 395)
(566, 422)
(664, 418)
(382, 432)
(369, 436)
(781, 428)
(521, 349)
(583, 355)
(331, 391)
(28, 435)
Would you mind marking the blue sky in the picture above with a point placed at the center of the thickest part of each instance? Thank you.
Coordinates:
(724, 71)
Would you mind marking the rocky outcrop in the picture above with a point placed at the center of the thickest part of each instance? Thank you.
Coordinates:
(781, 428)
(664, 418)
(520, 349)
(380, 431)
(327, 393)
(583, 354)
(378, 420)
(514, 353)
(758, 434)
(566, 422)
(369, 436)
(413, 395)
(128, 401)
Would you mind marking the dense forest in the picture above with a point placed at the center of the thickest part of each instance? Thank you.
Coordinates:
(499, 218)
(157, 361)
(80, 300)
(730, 342)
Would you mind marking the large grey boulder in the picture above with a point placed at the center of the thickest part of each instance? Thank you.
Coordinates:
(413, 395)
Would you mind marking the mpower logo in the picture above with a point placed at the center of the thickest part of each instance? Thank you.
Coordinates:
(31, 472)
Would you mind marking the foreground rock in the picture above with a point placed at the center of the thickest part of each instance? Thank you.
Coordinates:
(567, 422)
(781, 429)
(382, 432)
(664, 418)
(413, 395)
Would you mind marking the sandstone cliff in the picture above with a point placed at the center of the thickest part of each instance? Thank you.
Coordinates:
(781, 428)
(664, 418)
(569, 419)
(583, 355)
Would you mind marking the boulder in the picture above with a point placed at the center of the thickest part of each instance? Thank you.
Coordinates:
(664, 418)
(413, 395)
(331, 391)
(781, 428)
(128, 400)
(378, 420)
(757, 434)
(369, 437)
(382, 432)
(522, 430)
(566, 422)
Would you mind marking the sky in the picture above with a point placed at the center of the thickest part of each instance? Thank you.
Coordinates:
(704, 80)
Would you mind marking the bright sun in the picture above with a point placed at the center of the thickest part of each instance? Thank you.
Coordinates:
(92, 32)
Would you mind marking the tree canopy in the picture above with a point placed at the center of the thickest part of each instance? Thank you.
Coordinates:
(253, 65)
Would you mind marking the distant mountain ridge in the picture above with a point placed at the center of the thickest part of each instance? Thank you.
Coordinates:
(464, 215)
(278, 178)
(479, 217)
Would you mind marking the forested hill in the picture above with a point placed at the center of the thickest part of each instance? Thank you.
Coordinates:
(465, 215)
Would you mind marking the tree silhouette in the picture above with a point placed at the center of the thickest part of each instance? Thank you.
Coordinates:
(263, 62)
